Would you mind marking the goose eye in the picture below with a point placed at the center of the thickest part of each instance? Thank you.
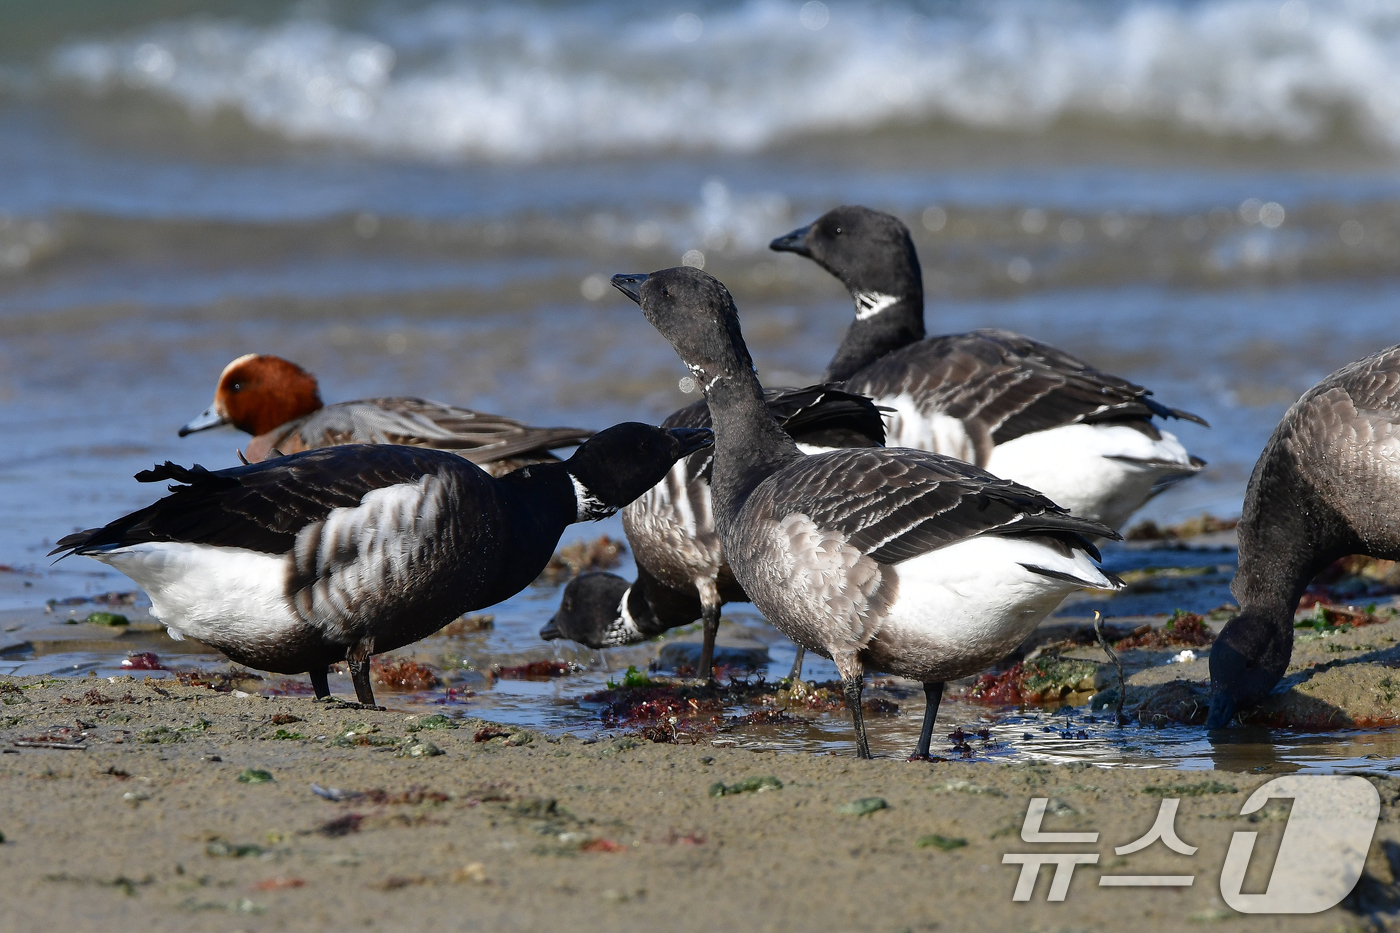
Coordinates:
(838, 231)
(236, 387)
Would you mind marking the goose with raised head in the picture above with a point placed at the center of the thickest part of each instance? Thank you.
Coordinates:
(1326, 486)
(1021, 409)
(681, 572)
(340, 553)
(896, 560)
(279, 403)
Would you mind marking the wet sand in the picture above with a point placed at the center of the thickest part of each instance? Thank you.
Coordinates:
(149, 827)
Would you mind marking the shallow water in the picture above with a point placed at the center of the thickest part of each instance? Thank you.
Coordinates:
(426, 199)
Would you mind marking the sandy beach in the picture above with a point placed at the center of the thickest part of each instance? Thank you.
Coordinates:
(183, 809)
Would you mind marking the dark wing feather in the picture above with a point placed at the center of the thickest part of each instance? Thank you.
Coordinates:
(1003, 385)
(897, 504)
(415, 422)
(261, 506)
(821, 415)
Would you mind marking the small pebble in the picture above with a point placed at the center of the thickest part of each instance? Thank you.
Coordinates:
(863, 806)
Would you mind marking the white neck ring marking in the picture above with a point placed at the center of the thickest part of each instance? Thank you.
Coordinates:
(590, 507)
(869, 304)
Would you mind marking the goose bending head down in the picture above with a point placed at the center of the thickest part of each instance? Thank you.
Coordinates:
(339, 553)
(1022, 409)
(897, 560)
(1326, 486)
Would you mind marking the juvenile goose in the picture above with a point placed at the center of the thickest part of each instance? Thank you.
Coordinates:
(897, 560)
(279, 403)
(681, 573)
(1326, 486)
(1021, 409)
(340, 553)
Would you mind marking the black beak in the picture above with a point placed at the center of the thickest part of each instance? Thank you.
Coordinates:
(692, 439)
(550, 631)
(1222, 710)
(794, 242)
(630, 284)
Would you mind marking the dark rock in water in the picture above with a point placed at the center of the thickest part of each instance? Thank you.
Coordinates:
(750, 655)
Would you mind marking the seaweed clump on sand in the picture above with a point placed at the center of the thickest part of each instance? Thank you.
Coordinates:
(1049, 678)
(672, 711)
(402, 674)
(1183, 630)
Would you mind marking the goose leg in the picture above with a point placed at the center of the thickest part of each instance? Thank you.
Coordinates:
(851, 686)
(318, 682)
(358, 658)
(709, 619)
(933, 695)
(796, 673)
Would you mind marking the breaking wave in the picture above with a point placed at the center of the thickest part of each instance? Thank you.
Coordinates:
(522, 81)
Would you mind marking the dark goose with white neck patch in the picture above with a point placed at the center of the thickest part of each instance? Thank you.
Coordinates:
(339, 553)
(1019, 408)
(895, 560)
(681, 572)
(1326, 486)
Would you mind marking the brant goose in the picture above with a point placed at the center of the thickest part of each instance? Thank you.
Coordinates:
(1021, 409)
(891, 559)
(279, 403)
(1326, 486)
(339, 553)
(681, 573)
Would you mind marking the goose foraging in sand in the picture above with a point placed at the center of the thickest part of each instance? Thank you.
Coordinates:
(1326, 486)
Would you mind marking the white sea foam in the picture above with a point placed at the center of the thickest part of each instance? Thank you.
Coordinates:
(509, 81)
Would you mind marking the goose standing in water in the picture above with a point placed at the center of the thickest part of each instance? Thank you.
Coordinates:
(1327, 485)
(340, 553)
(1021, 409)
(897, 560)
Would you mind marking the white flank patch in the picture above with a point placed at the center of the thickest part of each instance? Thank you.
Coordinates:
(1074, 465)
(964, 606)
(909, 426)
(218, 595)
(369, 553)
(590, 507)
(869, 304)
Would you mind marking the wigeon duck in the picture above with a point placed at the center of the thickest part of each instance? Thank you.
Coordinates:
(339, 553)
(681, 573)
(1018, 408)
(892, 559)
(1326, 486)
(279, 403)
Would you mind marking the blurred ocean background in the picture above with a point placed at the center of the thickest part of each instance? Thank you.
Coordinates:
(427, 197)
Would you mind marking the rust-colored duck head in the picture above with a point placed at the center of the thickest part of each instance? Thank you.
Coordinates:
(257, 393)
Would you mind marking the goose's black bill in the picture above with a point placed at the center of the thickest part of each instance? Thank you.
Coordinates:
(692, 439)
(630, 284)
(1222, 710)
(794, 242)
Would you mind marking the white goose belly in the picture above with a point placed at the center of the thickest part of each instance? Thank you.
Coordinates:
(1100, 471)
(966, 606)
(226, 597)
